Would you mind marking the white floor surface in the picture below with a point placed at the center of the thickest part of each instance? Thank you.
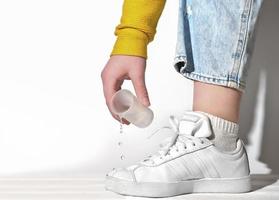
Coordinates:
(265, 187)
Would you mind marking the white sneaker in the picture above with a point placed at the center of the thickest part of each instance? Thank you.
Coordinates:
(188, 163)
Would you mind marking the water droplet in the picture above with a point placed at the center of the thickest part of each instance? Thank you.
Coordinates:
(120, 143)
(121, 129)
(121, 125)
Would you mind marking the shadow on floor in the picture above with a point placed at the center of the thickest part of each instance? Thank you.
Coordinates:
(259, 181)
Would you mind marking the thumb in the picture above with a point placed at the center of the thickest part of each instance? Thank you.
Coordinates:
(141, 90)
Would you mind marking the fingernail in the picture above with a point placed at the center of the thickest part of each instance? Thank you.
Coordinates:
(146, 102)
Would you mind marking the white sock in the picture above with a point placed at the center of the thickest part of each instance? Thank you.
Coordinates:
(225, 133)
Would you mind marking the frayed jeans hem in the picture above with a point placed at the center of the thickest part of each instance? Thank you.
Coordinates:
(226, 82)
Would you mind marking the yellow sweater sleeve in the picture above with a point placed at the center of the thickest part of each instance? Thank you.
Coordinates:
(137, 26)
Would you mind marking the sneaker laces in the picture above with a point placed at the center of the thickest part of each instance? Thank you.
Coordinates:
(192, 128)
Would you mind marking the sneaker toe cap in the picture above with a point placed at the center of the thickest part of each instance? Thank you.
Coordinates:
(122, 174)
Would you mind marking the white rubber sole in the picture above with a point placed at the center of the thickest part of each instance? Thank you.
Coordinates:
(157, 189)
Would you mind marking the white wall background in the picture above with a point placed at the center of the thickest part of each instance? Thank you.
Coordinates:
(53, 118)
(52, 112)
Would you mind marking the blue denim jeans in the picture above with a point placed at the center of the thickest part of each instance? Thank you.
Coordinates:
(214, 40)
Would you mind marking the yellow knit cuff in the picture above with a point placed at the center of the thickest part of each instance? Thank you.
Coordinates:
(129, 45)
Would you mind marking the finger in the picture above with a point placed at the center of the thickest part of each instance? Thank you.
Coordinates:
(109, 89)
(124, 121)
(141, 90)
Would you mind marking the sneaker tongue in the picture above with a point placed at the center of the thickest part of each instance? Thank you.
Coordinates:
(195, 124)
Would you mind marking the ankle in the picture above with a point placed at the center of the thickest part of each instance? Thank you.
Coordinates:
(217, 100)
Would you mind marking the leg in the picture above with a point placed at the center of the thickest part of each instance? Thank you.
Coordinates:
(217, 59)
(217, 100)
(229, 68)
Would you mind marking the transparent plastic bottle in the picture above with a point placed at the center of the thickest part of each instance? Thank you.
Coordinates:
(126, 105)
